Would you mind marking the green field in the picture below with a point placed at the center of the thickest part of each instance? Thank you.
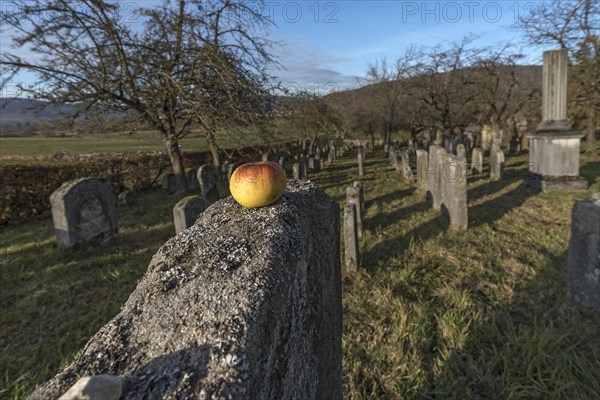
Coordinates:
(431, 313)
(35, 146)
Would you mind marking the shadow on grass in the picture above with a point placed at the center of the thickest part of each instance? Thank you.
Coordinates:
(384, 220)
(540, 336)
(389, 197)
(387, 249)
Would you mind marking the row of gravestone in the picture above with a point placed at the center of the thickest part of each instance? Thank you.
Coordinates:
(84, 210)
(443, 175)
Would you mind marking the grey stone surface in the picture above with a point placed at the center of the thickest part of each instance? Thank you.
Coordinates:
(84, 211)
(496, 164)
(454, 191)
(434, 176)
(246, 304)
(407, 173)
(554, 91)
(304, 166)
(422, 163)
(282, 162)
(350, 238)
(96, 387)
(265, 157)
(207, 179)
(583, 269)
(477, 161)
(186, 212)
(311, 163)
(553, 156)
(353, 197)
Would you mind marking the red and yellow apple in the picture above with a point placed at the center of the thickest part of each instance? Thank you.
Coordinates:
(257, 184)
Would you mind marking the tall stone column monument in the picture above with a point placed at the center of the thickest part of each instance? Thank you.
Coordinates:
(554, 146)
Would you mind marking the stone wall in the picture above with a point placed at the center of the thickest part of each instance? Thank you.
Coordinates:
(244, 304)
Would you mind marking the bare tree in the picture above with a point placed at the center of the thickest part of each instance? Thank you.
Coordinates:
(572, 25)
(311, 118)
(186, 63)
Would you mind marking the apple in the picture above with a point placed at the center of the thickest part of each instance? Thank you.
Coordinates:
(257, 184)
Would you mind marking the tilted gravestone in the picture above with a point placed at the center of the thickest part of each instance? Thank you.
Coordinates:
(434, 176)
(207, 179)
(244, 304)
(477, 161)
(350, 238)
(186, 211)
(454, 191)
(496, 164)
(422, 162)
(583, 268)
(84, 211)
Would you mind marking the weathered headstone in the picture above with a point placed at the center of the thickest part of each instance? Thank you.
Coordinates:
(84, 211)
(422, 163)
(496, 164)
(583, 269)
(360, 155)
(434, 176)
(454, 191)
(486, 137)
(127, 198)
(461, 151)
(230, 169)
(311, 163)
(353, 197)
(297, 171)
(244, 304)
(350, 238)
(359, 186)
(191, 180)
(317, 166)
(304, 166)
(208, 183)
(282, 162)
(407, 173)
(186, 212)
(265, 157)
(477, 161)
(169, 183)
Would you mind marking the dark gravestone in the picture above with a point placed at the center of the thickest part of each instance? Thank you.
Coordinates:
(207, 179)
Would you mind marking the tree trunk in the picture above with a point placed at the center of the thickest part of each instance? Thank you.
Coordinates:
(214, 150)
(591, 131)
(176, 162)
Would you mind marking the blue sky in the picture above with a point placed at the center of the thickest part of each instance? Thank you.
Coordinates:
(326, 45)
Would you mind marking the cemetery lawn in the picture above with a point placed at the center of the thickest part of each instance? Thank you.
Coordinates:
(431, 313)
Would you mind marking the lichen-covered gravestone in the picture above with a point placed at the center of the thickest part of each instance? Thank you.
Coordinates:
(454, 191)
(84, 211)
(434, 176)
(583, 270)
(477, 161)
(186, 212)
(496, 164)
(245, 304)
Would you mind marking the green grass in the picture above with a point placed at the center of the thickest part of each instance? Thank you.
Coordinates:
(431, 313)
